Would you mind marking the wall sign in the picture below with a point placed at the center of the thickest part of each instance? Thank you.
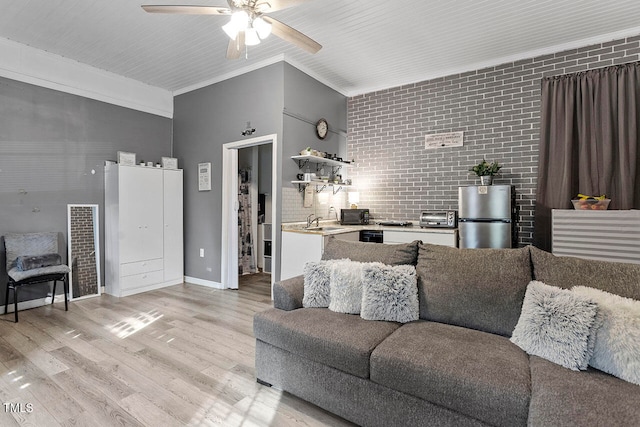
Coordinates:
(439, 140)
(169, 163)
(126, 158)
(204, 176)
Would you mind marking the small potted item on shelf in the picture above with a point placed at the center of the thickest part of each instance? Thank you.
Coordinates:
(486, 171)
(306, 152)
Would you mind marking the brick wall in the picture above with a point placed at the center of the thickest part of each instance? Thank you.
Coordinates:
(85, 280)
(498, 108)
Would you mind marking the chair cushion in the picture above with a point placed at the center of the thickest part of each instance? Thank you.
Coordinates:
(396, 254)
(18, 244)
(476, 288)
(562, 397)
(481, 375)
(19, 275)
(342, 341)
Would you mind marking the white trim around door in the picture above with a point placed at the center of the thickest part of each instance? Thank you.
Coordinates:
(229, 258)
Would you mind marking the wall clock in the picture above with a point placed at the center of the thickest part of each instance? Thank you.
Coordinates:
(322, 128)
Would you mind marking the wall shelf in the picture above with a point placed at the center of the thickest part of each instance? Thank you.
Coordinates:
(336, 187)
(320, 162)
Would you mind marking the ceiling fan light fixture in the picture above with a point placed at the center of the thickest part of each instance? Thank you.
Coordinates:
(240, 19)
(239, 22)
(231, 30)
(262, 27)
(251, 37)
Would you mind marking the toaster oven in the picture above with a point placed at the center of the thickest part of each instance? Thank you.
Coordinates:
(439, 219)
(354, 216)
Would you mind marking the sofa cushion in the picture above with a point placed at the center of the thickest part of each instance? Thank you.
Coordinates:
(561, 397)
(342, 341)
(345, 289)
(396, 254)
(476, 288)
(558, 325)
(475, 373)
(617, 341)
(389, 292)
(566, 272)
(317, 277)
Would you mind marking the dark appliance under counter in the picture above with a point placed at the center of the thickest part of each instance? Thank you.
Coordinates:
(372, 236)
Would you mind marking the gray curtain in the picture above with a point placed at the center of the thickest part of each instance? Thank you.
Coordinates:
(588, 142)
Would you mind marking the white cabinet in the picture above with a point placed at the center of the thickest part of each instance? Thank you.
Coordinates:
(601, 235)
(173, 243)
(143, 229)
(298, 248)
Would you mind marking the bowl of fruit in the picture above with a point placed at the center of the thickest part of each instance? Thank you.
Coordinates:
(594, 203)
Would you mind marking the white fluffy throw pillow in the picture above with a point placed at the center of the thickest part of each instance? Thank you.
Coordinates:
(317, 276)
(389, 293)
(346, 287)
(555, 324)
(617, 346)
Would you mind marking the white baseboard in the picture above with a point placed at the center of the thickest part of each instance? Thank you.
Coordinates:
(39, 302)
(202, 282)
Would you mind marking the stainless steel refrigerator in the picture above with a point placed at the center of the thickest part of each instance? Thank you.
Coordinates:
(486, 216)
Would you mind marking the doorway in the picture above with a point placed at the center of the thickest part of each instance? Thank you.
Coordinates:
(230, 206)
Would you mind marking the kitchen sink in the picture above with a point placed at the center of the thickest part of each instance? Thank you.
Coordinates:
(324, 228)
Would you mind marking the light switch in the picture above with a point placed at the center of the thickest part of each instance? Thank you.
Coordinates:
(201, 252)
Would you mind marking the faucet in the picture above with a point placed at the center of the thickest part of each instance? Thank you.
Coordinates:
(310, 220)
(335, 212)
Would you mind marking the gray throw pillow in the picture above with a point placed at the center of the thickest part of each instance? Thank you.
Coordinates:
(389, 293)
(346, 287)
(317, 276)
(479, 289)
(617, 341)
(555, 324)
(30, 262)
(396, 254)
(566, 271)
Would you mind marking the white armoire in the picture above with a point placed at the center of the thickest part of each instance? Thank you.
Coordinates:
(143, 229)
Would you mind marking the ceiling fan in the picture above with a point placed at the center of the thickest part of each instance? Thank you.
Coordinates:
(248, 24)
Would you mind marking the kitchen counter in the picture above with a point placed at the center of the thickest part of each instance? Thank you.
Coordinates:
(330, 228)
(301, 245)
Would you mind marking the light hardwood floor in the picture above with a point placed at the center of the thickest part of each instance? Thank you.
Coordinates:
(182, 355)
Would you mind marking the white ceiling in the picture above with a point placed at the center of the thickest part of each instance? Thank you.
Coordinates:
(367, 44)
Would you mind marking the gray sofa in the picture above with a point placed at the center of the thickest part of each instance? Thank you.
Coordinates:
(456, 365)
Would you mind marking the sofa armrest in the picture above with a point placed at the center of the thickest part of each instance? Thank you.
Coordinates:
(287, 294)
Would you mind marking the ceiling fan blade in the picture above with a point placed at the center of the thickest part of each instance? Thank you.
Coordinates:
(236, 47)
(187, 10)
(267, 6)
(292, 35)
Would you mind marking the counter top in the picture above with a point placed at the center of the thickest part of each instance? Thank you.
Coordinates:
(329, 228)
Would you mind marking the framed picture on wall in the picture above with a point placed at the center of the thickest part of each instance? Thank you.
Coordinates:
(125, 158)
(169, 163)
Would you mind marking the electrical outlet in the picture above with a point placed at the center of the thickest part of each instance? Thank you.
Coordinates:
(209, 269)
(201, 252)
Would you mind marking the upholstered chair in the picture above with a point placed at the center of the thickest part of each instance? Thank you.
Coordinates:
(34, 258)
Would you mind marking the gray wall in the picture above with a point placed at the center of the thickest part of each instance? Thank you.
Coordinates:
(498, 108)
(276, 99)
(306, 100)
(50, 142)
(204, 120)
